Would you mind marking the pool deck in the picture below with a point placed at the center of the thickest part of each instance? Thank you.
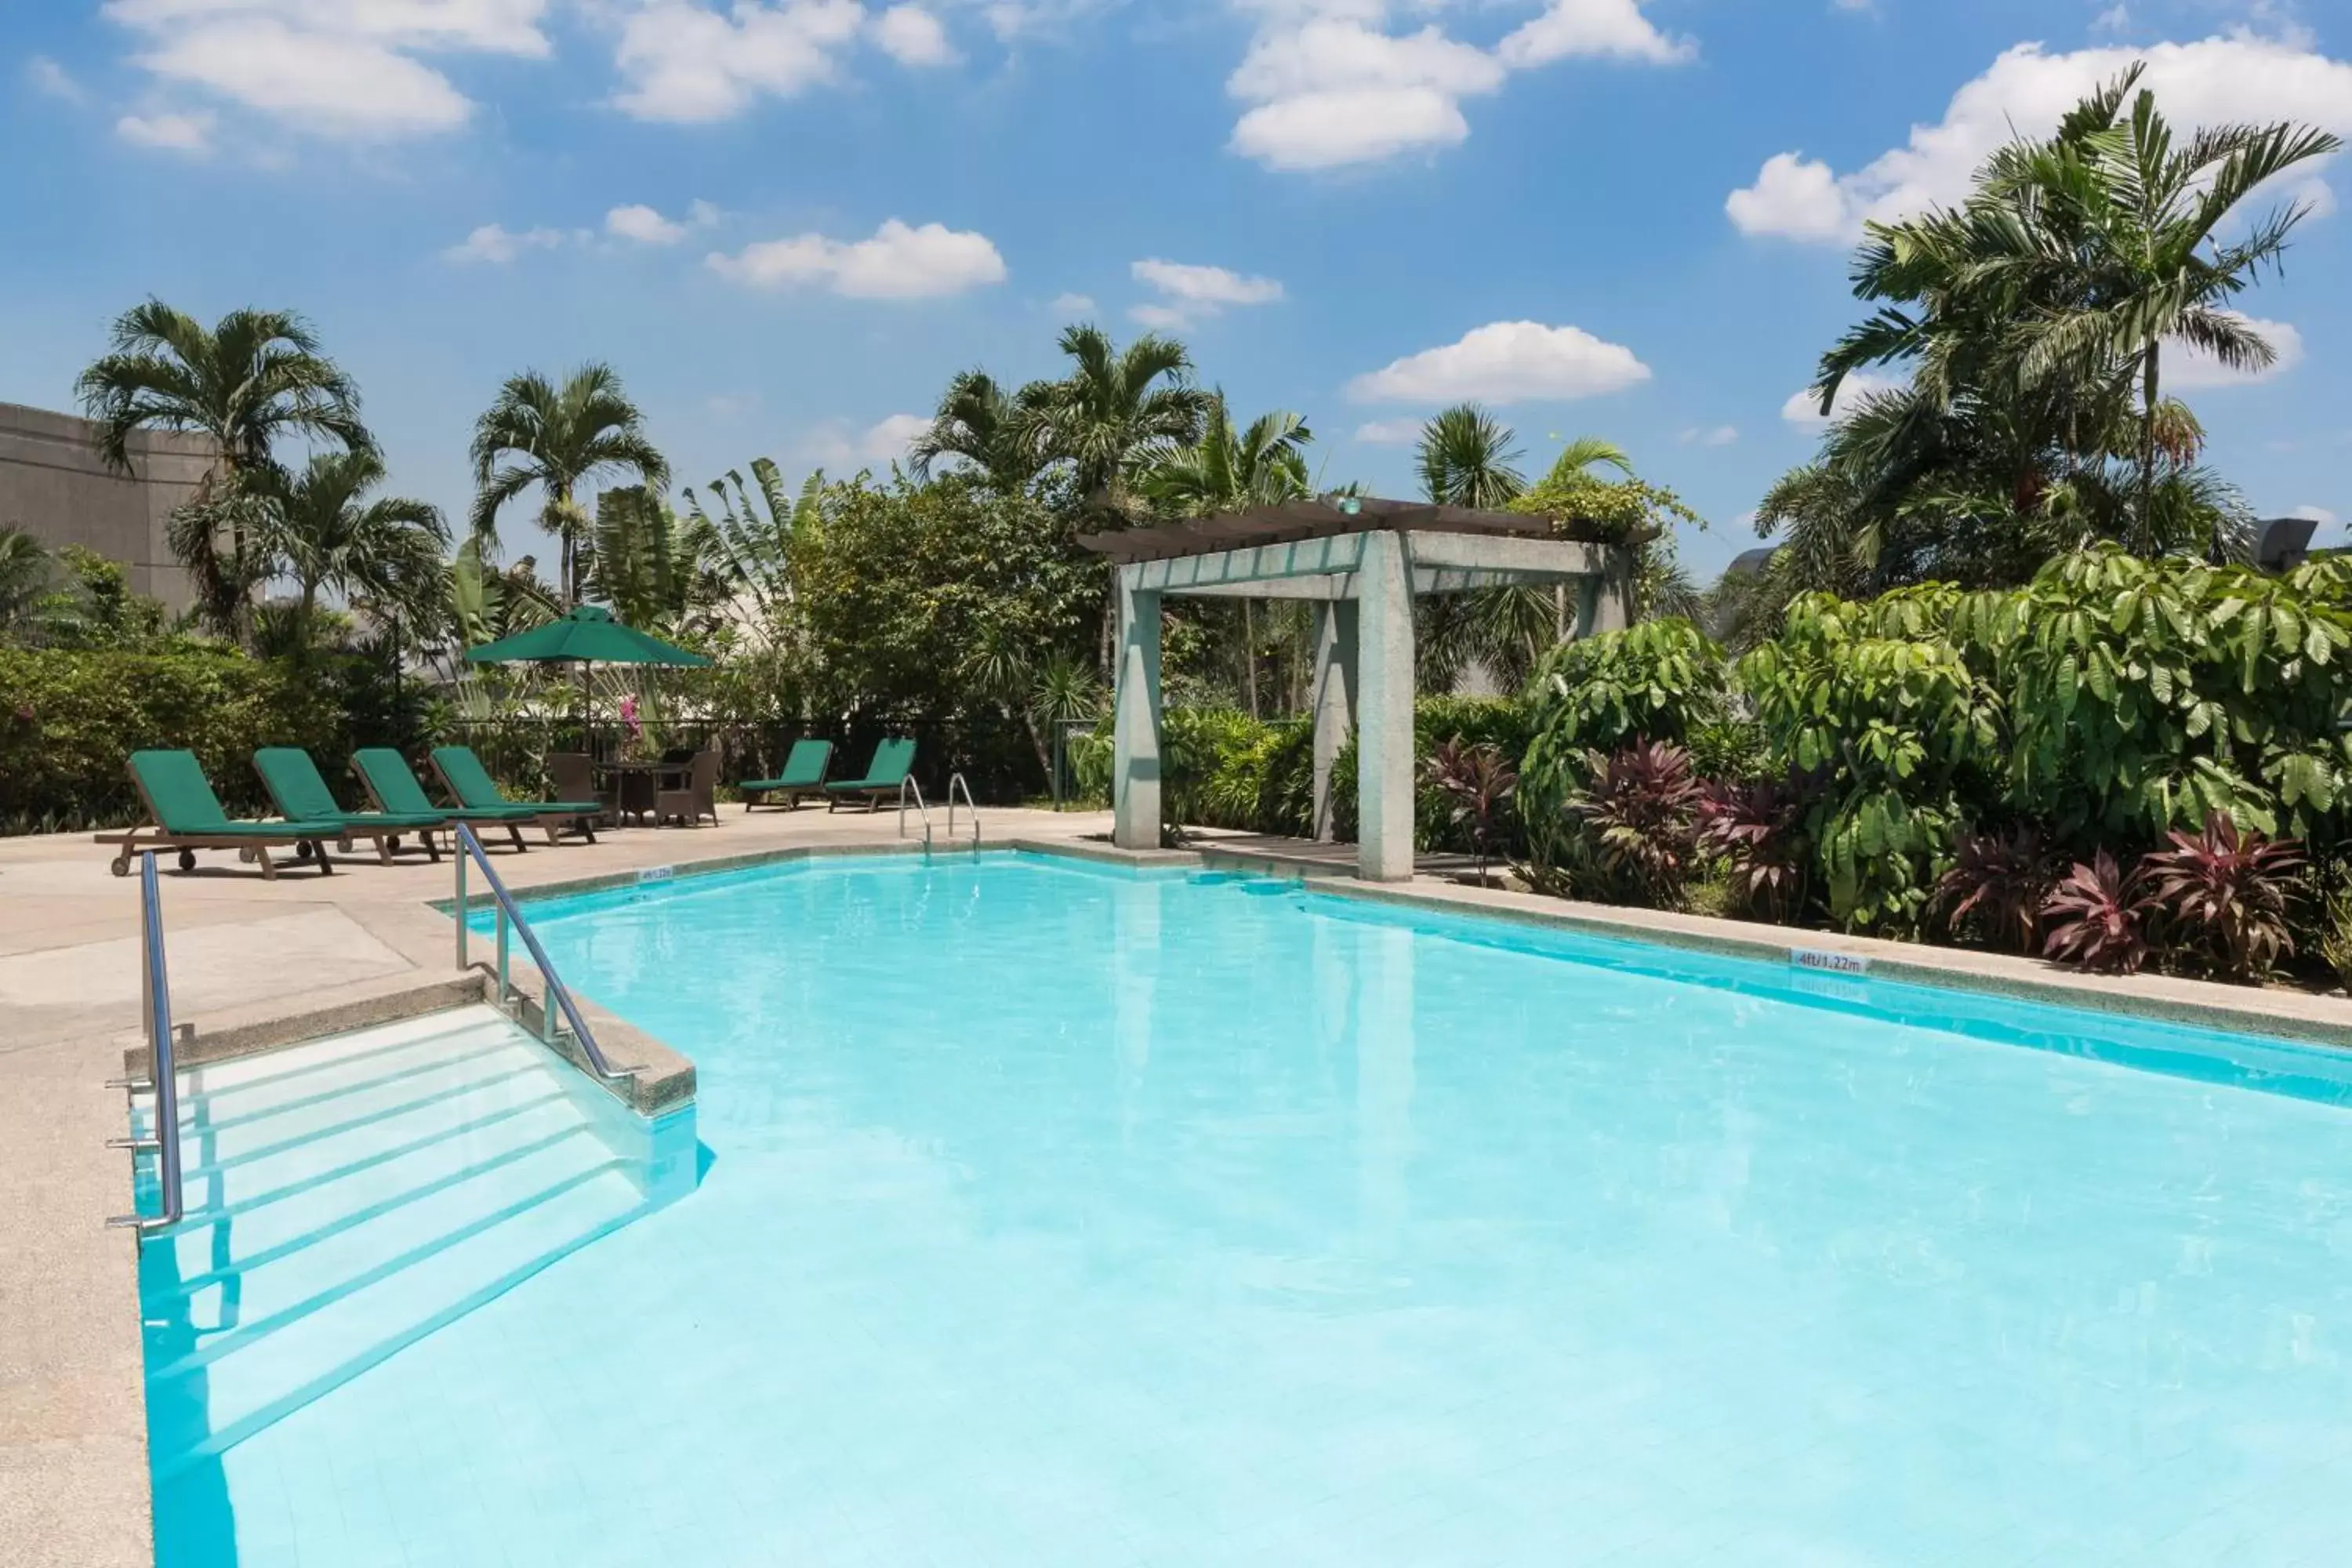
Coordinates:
(255, 963)
(252, 963)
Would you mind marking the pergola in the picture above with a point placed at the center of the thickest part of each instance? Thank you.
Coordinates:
(1360, 561)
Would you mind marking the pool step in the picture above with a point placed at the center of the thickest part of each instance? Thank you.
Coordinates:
(368, 1190)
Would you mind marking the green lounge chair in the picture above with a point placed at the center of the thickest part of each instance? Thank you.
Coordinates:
(393, 788)
(803, 774)
(893, 759)
(294, 783)
(187, 816)
(470, 786)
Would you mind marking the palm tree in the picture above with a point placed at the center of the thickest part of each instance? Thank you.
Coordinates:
(1118, 412)
(252, 377)
(1232, 471)
(1466, 457)
(559, 438)
(2031, 323)
(27, 575)
(987, 426)
(2146, 262)
(319, 528)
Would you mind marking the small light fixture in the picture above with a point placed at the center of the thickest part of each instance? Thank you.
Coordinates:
(1349, 505)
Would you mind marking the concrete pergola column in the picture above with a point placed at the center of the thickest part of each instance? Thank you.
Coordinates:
(1604, 601)
(1334, 700)
(1134, 723)
(1384, 747)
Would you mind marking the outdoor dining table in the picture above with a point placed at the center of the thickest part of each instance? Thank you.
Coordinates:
(635, 784)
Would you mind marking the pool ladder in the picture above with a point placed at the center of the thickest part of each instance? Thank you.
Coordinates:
(162, 1063)
(956, 786)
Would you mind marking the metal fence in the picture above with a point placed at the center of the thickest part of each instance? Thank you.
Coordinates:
(997, 757)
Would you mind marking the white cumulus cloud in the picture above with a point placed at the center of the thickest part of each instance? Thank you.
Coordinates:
(684, 61)
(496, 244)
(1071, 304)
(839, 446)
(1606, 28)
(52, 79)
(1717, 436)
(349, 69)
(1189, 292)
(180, 132)
(1389, 432)
(898, 262)
(2025, 92)
(1803, 408)
(643, 223)
(1506, 362)
(1329, 84)
(912, 37)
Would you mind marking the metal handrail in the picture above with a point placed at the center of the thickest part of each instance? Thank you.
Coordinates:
(906, 783)
(958, 782)
(163, 1075)
(558, 994)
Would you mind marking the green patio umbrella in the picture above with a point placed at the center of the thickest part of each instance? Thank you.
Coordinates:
(587, 635)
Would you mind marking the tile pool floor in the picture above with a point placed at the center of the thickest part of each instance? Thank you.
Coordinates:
(1050, 1215)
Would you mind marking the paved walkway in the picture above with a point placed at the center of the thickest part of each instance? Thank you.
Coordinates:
(73, 1441)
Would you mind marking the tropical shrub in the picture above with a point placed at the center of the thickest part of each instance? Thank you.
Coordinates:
(1661, 680)
(2147, 695)
(71, 718)
(2224, 895)
(1642, 811)
(1475, 781)
(2097, 918)
(1756, 829)
(1996, 888)
(1902, 732)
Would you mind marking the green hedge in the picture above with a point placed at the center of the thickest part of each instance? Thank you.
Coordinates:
(1224, 768)
(69, 720)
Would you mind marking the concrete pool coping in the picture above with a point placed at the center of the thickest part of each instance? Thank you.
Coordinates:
(73, 1463)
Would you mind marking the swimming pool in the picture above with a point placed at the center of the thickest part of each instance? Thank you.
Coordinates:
(1060, 1215)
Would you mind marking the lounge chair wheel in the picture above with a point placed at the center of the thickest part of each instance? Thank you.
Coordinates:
(303, 851)
(120, 865)
(188, 859)
(395, 843)
(244, 855)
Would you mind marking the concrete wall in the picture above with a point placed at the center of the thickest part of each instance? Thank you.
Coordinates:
(53, 485)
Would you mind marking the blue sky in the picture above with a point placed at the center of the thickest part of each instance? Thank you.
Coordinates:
(787, 222)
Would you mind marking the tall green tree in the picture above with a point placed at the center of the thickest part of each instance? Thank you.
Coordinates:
(2149, 266)
(1232, 469)
(249, 379)
(319, 527)
(991, 429)
(27, 576)
(2030, 324)
(1468, 458)
(558, 440)
(1115, 414)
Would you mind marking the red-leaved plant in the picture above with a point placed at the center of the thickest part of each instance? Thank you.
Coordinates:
(1999, 881)
(1476, 781)
(1758, 831)
(2225, 892)
(2097, 918)
(1642, 807)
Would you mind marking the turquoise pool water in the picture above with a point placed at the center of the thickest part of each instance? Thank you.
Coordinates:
(1051, 1216)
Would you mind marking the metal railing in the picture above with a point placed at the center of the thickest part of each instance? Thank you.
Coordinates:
(162, 1065)
(905, 785)
(559, 995)
(956, 781)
